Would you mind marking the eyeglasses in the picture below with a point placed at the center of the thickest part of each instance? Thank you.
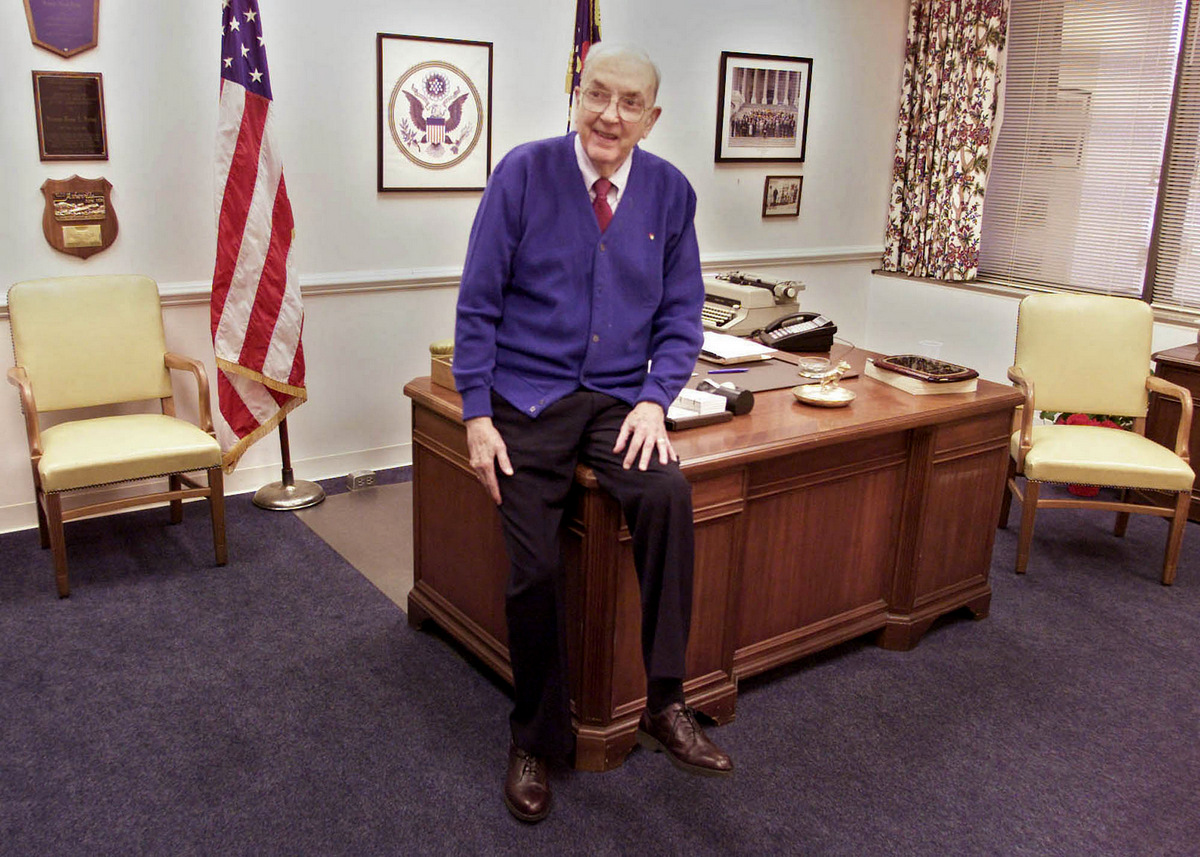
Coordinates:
(629, 108)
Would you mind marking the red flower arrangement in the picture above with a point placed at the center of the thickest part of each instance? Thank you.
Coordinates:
(1102, 420)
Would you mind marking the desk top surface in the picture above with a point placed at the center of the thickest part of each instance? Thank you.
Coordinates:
(779, 422)
(1184, 355)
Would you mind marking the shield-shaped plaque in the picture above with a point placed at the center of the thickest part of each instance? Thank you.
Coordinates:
(435, 127)
(79, 217)
(65, 27)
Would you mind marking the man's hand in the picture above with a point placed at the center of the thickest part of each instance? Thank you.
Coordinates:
(487, 449)
(643, 432)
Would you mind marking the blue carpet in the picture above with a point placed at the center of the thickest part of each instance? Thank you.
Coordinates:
(281, 705)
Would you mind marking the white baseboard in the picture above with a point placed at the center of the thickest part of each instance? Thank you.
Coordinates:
(244, 480)
(248, 479)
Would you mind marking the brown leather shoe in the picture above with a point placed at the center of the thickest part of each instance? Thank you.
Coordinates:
(674, 730)
(527, 786)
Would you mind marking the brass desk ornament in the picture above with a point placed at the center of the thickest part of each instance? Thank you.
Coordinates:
(829, 393)
(79, 218)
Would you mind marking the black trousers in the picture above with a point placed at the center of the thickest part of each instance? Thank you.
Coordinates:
(657, 505)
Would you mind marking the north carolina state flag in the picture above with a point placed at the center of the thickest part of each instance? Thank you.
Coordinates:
(587, 33)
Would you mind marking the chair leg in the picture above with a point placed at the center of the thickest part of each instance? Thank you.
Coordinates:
(43, 527)
(1028, 512)
(58, 544)
(1122, 522)
(1183, 505)
(175, 483)
(216, 504)
(1006, 501)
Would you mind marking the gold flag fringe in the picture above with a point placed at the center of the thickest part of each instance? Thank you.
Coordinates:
(229, 459)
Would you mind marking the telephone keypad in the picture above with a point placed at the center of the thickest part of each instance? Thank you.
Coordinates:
(797, 327)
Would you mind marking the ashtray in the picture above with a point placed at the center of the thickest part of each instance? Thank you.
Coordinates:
(813, 367)
(823, 396)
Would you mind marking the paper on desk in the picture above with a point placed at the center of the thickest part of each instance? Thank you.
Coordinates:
(725, 348)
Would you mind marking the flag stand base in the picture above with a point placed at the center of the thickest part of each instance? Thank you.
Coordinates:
(283, 497)
(288, 495)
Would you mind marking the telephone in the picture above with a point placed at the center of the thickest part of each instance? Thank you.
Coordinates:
(802, 331)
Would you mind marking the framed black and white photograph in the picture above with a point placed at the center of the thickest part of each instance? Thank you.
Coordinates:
(781, 196)
(434, 120)
(762, 107)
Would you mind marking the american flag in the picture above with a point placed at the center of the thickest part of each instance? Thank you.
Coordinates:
(257, 315)
(587, 33)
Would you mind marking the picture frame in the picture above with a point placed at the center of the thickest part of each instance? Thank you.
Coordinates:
(762, 107)
(434, 113)
(781, 196)
(69, 109)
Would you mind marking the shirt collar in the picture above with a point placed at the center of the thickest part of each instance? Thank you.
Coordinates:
(619, 179)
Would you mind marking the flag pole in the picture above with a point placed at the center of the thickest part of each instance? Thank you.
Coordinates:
(288, 495)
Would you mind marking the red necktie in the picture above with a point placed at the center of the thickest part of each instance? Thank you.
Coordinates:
(600, 204)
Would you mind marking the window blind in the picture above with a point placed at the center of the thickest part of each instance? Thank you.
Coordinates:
(1073, 182)
(1175, 275)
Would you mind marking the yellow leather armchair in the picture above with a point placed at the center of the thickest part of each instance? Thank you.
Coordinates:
(90, 342)
(1091, 354)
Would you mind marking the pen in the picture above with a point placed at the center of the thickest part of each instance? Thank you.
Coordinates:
(725, 371)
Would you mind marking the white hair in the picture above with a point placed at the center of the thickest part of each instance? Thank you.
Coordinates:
(615, 50)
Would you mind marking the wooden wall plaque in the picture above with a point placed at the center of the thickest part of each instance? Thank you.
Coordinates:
(63, 27)
(79, 218)
(70, 115)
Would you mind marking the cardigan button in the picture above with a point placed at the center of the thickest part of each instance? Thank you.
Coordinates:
(595, 337)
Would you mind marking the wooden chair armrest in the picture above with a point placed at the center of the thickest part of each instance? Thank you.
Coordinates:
(20, 380)
(189, 364)
(1026, 387)
(1181, 394)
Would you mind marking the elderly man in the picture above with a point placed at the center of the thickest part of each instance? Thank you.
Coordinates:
(578, 323)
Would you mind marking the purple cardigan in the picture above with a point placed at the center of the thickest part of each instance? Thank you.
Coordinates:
(548, 305)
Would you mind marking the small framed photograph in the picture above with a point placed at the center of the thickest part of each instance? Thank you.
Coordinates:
(781, 196)
(762, 107)
(70, 116)
(434, 113)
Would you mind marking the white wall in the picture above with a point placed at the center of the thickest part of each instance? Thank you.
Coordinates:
(379, 269)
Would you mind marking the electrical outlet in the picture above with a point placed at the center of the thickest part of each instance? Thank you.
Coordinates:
(360, 479)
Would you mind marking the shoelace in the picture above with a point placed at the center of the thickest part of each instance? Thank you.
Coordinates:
(530, 764)
(689, 716)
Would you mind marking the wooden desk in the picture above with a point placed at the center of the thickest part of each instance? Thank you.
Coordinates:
(1181, 366)
(813, 526)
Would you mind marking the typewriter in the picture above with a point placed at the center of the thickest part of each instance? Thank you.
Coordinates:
(741, 303)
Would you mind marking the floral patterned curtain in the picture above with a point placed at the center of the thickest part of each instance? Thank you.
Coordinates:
(947, 110)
